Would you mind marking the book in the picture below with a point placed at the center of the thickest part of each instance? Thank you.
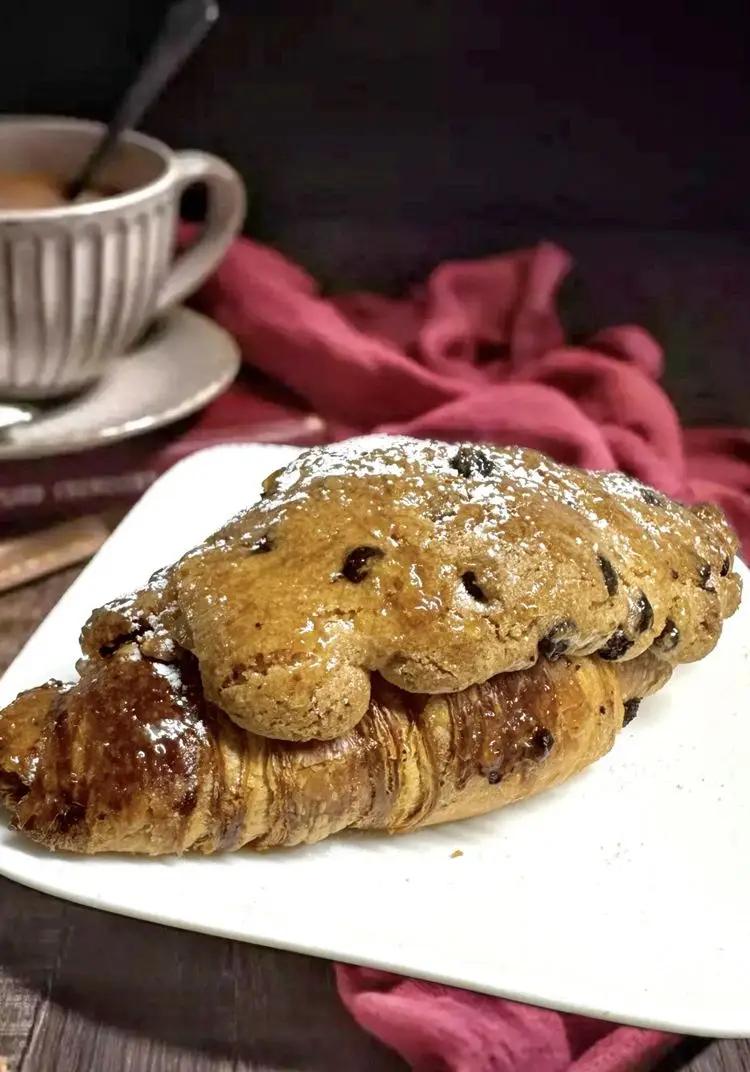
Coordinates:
(88, 481)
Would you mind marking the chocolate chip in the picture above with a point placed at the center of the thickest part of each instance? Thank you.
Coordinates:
(609, 574)
(557, 640)
(644, 612)
(471, 461)
(675, 575)
(602, 709)
(261, 546)
(616, 646)
(725, 567)
(469, 581)
(542, 742)
(669, 637)
(631, 710)
(653, 498)
(494, 776)
(704, 577)
(356, 563)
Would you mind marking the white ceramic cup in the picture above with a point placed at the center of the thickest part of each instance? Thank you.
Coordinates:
(79, 283)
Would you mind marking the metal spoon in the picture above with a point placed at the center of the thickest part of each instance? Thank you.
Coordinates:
(185, 26)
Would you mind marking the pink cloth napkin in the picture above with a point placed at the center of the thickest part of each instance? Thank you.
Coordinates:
(437, 1028)
(478, 353)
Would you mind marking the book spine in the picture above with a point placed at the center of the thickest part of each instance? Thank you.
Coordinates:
(32, 490)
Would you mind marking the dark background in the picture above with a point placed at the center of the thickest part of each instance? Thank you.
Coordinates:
(379, 137)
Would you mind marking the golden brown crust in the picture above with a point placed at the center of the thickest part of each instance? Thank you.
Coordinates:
(399, 633)
(437, 567)
(133, 759)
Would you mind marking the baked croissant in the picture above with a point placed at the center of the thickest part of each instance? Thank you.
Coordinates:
(399, 633)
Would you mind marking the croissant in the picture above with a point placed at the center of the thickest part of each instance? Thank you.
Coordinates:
(133, 758)
(399, 633)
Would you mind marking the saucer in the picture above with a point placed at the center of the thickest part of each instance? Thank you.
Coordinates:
(183, 362)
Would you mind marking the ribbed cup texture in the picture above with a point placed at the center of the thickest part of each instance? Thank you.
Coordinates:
(76, 292)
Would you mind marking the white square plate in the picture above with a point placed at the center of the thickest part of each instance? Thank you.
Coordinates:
(624, 894)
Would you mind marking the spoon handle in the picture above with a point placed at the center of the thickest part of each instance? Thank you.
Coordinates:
(185, 25)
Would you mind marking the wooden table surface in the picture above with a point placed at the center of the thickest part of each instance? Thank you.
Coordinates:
(84, 991)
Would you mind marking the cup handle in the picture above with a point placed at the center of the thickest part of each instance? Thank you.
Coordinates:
(226, 210)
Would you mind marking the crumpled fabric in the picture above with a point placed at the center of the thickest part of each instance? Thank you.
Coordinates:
(438, 1028)
(477, 352)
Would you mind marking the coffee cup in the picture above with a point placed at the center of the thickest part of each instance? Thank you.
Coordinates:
(80, 282)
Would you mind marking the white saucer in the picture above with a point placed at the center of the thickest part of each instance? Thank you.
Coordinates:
(622, 894)
(180, 366)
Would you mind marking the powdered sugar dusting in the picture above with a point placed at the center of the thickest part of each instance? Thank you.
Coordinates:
(437, 566)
